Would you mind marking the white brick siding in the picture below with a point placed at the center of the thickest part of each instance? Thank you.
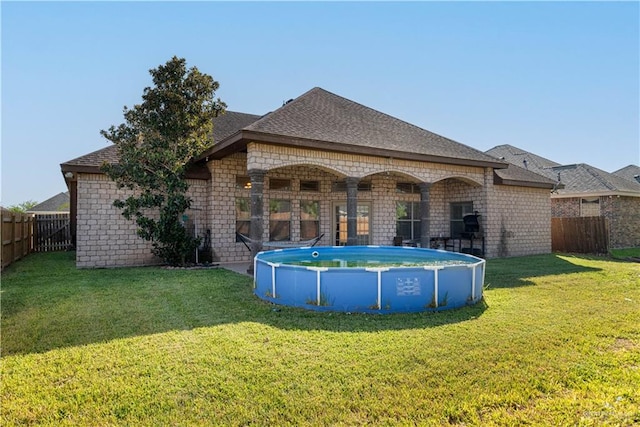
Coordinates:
(514, 220)
(104, 237)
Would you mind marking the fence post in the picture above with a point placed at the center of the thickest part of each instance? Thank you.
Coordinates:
(13, 237)
(17, 236)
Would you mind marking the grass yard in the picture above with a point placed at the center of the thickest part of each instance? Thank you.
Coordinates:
(556, 342)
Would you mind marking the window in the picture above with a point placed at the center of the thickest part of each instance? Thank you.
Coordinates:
(341, 186)
(279, 184)
(243, 182)
(459, 210)
(279, 220)
(408, 220)
(407, 188)
(310, 186)
(590, 207)
(363, 223)
(309, 219)
(243, 216)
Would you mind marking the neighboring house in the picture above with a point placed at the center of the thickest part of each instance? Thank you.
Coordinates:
(323, 165)
(53, 205)
(630, 173)
(584, 190)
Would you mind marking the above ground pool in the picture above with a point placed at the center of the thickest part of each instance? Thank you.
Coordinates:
(368, 279)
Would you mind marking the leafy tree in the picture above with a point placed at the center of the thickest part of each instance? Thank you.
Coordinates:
(156, 143)
(22, 207)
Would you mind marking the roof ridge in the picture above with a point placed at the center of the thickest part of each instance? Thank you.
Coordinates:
(595, 172)
(402, 121)
(630, 166)
(291, 101)
(608, 179)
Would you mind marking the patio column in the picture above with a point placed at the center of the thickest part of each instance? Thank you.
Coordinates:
(425, 238)
(256, 228)
(352, 210)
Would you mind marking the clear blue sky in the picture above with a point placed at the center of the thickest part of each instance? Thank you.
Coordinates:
(558, 79)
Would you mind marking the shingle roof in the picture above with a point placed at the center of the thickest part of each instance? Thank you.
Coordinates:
(519, 157)
(583, 178)
(231, 122)
(94, 159)
(515, 175)
(576, 178)
(332, 123)
(322, 116)
(223, 127)
(57, 203)
(631, 173)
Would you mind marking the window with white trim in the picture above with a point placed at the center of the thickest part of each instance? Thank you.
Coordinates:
(408, 220)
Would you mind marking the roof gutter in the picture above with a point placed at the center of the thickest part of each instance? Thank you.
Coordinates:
(596, 194)
(516, 183)
(69, 172)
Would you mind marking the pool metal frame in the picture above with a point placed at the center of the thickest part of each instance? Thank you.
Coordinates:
(271, 292)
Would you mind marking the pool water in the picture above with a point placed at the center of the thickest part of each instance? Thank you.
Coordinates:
(371, 263)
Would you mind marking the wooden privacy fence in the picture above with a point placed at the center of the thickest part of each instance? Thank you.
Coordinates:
(52, 232)
(583, 235)
(17, 236)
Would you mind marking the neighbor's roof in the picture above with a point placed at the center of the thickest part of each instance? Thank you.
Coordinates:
(583, 178)
(57, 203)
(522, 158)
(631, 173)
(577, 179)
(321, 120)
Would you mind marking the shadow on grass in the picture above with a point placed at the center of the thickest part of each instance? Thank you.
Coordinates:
(519, 271)
(47, 303)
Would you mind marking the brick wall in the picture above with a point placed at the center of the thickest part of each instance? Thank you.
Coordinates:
(268, 157)
(565, 207)
(622, 212)
(522, 219)
(514, 220)
(104, 237)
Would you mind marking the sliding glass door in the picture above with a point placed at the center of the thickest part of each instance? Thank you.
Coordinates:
(363, 223)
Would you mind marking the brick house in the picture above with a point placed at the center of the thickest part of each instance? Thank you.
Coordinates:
(323, 165)
(584, 190)
(630, 173)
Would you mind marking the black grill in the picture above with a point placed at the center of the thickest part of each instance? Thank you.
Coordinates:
(471, 226)
(472, 232)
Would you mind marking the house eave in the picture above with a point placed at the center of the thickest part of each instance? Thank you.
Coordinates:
(239, 141)
(515, 183)
(595, 194)
(197, 171)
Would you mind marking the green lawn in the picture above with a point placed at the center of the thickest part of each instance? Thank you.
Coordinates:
(555, 342)
(625, 253)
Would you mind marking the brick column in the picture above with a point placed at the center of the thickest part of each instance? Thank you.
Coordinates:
(352, 211)
(493, 221)
(256, 229)
(425, 238)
